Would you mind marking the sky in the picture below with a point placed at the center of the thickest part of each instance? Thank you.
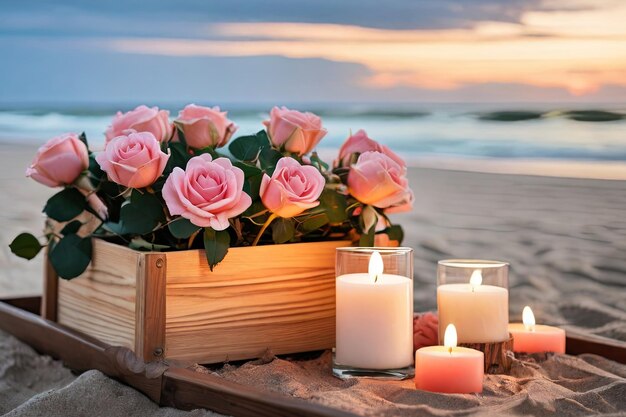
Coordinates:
(323, 51)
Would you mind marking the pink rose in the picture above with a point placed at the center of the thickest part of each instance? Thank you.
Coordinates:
(425, 330)
(59, 161)
(378, 180)
(142, 119)
(360, 143)
(292, 188)
(134, 161)
(296, 132)
(205, 126)
(208, 192)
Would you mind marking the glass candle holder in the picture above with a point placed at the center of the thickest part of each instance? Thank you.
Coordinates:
(473, 295)
(374, 298)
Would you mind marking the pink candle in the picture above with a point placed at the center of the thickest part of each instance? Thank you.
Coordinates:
(529, 337)
(449, 368)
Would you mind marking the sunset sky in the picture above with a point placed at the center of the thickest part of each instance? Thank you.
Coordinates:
(323, 51)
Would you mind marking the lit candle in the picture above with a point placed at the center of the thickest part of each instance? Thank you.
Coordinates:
(529, 337)
(374, 319)
(481, 312)
(449, 368)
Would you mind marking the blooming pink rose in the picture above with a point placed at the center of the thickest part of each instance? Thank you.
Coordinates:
(205, 126)
(425, 330)
(208, 192)
(292, 188)
(133, 161)
(360, 143)
(142, 119)
(378, 180)
(59, 161)
(296, 132)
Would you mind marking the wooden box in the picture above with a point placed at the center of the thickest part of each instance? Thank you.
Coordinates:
(171, 306)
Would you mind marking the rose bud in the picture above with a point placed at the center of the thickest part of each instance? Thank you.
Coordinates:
(205, 126)
(60, 161)
(294, 131)
(142, 119)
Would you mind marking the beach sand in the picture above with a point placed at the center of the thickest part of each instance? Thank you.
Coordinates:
(565, 240)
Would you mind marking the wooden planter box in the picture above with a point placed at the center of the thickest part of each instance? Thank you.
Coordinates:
(170, 305)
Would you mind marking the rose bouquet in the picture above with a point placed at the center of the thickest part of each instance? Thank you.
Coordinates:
(163, 186)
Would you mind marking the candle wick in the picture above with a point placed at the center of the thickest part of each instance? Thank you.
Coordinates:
(450, 350)
(375, 278)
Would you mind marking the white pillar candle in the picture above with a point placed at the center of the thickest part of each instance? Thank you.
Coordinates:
(479, 312)
(374, 319)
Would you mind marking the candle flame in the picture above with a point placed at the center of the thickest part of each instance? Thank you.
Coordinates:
(476, 279)
(376, 266)
(449, 337)
(528, 318)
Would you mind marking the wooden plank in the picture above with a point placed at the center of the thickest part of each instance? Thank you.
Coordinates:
(150, 309)
(30, 304)
(186, 390)
(577, 344)
(278, 297)
(81, 352)
(101, 302)
(175, 387)
(50, 291)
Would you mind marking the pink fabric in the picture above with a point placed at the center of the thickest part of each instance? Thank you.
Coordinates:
(59, 161)
(292, 188)
(377, 180)
(208, 192)
(425, 330)
(134, 160)
(294, 131)
(205, 126)
(141, 119)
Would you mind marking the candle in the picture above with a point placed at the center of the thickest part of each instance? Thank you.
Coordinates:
(449, 368)
(481, 312)
(374, 319)
(529, 337)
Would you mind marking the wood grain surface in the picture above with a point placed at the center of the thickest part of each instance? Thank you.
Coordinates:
(101, 302)
(276, 297)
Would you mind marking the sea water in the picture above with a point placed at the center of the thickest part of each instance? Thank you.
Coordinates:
(465, 131)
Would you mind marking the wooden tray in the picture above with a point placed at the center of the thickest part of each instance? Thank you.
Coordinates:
(181, 388)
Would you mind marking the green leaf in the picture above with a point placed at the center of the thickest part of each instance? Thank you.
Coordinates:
(83, 138)
(313, 223)
(138, 243)
(71, 228)
(142, 214)
(367, 239)
(335, 206)
(181, 135)
(315, 159)
(283, 230)
(246, 148)
(178, 157)
(216, 245)
(182, 228)
(65, 205)
(268, 158)
(248, 170)
(395, 232)
(71, 256)
(25, 246)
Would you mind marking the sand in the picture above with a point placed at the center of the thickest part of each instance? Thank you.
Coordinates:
(557, 386)
(565, 240)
